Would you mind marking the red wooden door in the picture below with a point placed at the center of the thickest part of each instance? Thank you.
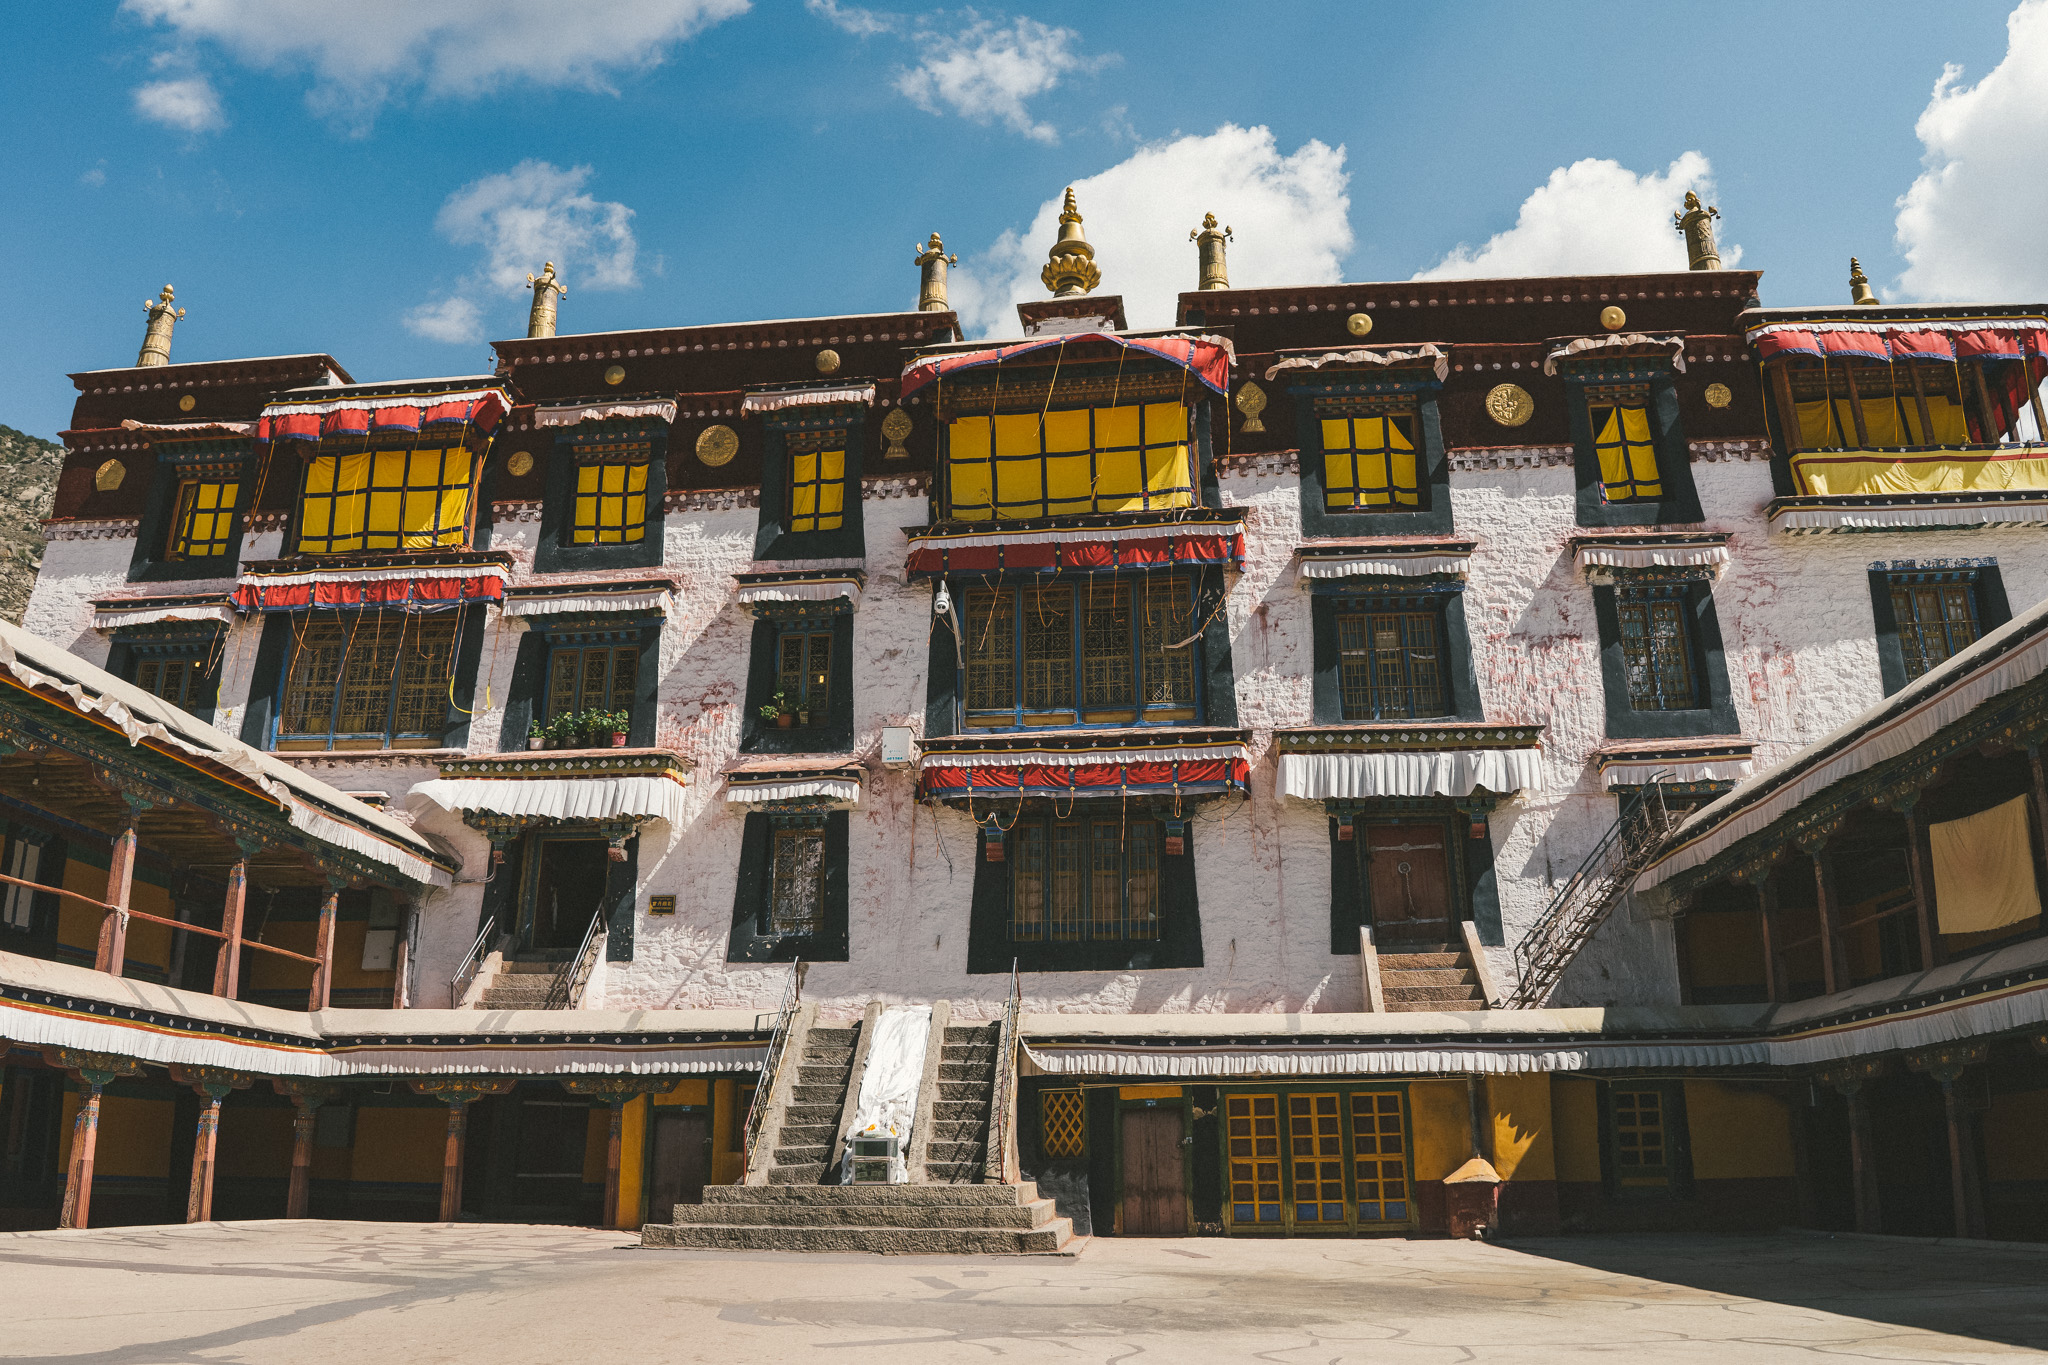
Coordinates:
(1408, 881)
(1155, 1188)
(679, 1162)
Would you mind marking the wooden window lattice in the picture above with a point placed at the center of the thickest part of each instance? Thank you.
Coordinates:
(203, 520)
(1371, 463)
(592, 678)
(1379, 1156)
(1936, 621)
(1094, 651)
(369, 682)
(1252, 1136)
(1315, 1137)
(1062, 1125)
(170, 679)
(796, 898)
(1390, 664)
(817, 489)
(1023, 465)
(1620, 420)
(803, 670)
(1079, 879)
(1657, 647)
(1640, 1151)
(610, 507)
(386, 500)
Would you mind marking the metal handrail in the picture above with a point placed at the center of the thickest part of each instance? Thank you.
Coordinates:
(996, 1160)
(472, 963)
(771, 1065)
(1589, 895)
(565, 980)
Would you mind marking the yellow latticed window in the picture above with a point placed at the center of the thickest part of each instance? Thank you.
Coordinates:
(1252, 1132)
(817, 490)
(1640, 1149)
(611, 496)
(380, 680)
(203, 520)
(1370, 464)
(1061, 1127)
(1315, 1144)
(1015, 466)
(1379, 1156)
(386, 500)
(1620, 419)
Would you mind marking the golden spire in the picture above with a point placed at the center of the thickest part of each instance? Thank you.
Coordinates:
(1859, 285)
(1696, 225)
(156, 340)
(546, 289)
(931, 262)
(1070, 269)
(1215, 271)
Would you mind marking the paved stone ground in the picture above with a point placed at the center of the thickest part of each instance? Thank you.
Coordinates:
(372, 1292)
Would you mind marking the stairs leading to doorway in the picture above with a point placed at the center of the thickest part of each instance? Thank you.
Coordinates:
(512, 985)
(958, 1150)
(1429, 976)
(950, 1219)
(806, 1142)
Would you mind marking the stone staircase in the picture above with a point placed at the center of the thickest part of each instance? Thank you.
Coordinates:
(954, 1219)
(805, 1143)
(510, 985)
(1429, 976)
(958, 1147)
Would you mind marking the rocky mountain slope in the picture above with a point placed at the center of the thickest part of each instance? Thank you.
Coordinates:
(28, 478)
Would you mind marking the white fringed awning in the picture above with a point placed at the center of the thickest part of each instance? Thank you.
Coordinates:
(107, 616)
(658, 600)
(1623, 556)
(1702, 770)
(1409, 772)
(800, 590)
(808, 398)
(1581, 345)
(560, 798)
(575, 414)
(1080, 758)
(1378, 1057)
(1400, 566)
(1440, 363)
(1798, 520)
(746, 793)
(190, 428)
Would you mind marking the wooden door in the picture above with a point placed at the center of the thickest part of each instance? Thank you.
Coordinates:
(1407, 875)
(1155, 1186)
(678, 1161)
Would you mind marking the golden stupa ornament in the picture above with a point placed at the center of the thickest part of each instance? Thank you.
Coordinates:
(1070, 269)
(1696, 225)
(156, 339)
(932, 262)
(1859, 286)
(546, 290)
(896, 427)
(1215, 270)
(1251, 401)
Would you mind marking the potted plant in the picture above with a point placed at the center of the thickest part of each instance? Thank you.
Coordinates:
(620, 721)
(780, 711)
(536, 736)
(562, 733)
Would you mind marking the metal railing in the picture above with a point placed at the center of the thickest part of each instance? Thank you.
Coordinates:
(996, 1161)
(563, 990)
(472, 963)
(771, 1064)
(1589, 895)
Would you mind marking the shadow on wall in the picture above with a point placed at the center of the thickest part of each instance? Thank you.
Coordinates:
(1067, 1187)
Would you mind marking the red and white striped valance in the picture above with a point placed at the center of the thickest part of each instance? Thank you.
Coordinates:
(574, 414)
(945, 777)
(1052, 550)
(480, 409)
(113, 616)
(1881, 341)
(862, 394)
(394, 589)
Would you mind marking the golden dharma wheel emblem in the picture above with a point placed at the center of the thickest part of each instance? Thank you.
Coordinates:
(1510, 404)
(1719, 396)
(896, 426)
(717, 445)
(187, 403)
(828, 361)
(108, 476)
(520, 465)
(1612, 318)
(1358, 324)
(615, 374)
(1251, 401)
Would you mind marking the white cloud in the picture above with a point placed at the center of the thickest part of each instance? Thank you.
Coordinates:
(521, 218)
(986, 71)
(96, 175)
(1593, 217)
(1967, 226)
(1291, 217)
(453, 319)
(364, 52)
(188, 104)
(861, 23)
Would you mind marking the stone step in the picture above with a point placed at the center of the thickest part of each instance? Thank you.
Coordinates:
(943, 1152)
(958, 1071)
(780, 1215)
(810, 1074)
(970, 1033)
(1433, 993)
(828, 1052)
(956, 1111)
(1005, 1195)
(547, 967)
(958, 1130)
(802, 1093)
(964, 1092)
(792, 1157)
(955, 1173)
(809, 1132)
(805, 1115)
(810, 1173)
(883, 1240)
(1428, 976)
(831, 1037)
(1442, 1006)
(1396, 962)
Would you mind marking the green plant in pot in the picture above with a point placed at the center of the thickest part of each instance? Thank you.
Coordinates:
(562, 732)
(780, 710)
(616, 725)
(536, 735)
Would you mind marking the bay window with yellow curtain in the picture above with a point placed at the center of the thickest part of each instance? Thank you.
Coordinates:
(1371, 460)
(1619, 415)
(371, 500)
(1119, 457)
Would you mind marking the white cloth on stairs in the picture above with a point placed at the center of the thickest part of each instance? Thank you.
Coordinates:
(889, 1084)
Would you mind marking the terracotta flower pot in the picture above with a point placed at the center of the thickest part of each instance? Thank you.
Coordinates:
(618, 739)
(785, 720)
(533, 743)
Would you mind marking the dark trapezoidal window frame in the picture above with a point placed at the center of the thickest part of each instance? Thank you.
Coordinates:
(1333, 399)
(1442, 600)
(1063, 664)
(409, 662)
(619, 444)
(1588, 387)
(1714, 713)
(1978, 580)
(209, 464)
(755, 935)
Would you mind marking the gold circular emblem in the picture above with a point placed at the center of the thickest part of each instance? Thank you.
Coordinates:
(615, 374)
(109, 475)
(895, 427)
(1718, 396)
(187, 403)
(1358, 324)
(1251, 401)
(717, 445)
(1612, 318)
(520, 465)
(1509, 404)
(828, 361)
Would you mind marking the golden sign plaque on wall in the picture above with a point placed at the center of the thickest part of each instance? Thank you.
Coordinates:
(520, 465)
(1509, 404)
(717, 445)
(187, 403)
(1718, 396)
(1358, 324)
(109, 475)
(615, 374)
(1612, 318)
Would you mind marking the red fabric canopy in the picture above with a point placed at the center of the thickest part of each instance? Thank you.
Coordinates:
(375, 594)
(1187, 776)
(360, 415)
(1854, 346)
(1207, 359)
(1140, 551)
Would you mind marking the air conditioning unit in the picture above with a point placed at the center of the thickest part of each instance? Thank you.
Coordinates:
(898, 746)
(872, 1157)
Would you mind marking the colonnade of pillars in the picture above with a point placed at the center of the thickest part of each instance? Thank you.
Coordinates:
(1946, 1066)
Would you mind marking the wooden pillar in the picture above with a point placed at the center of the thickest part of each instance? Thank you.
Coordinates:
(1946, 1066)
(1920, 400)
(1850, 1080)
(1994, 423)
(613, 1145)
(113, 943)
(85, 1134)
(1834, 959)
(1855, 408)
(401, 959)
(199, 1203)
(1788, 411)
(1767, 910)
(2040, 770)
(323, 970)
(306, 1098)
(227, 968)
(1923, 886)
(451, 1159)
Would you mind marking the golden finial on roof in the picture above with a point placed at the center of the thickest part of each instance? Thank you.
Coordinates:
(1696, 225)
(156, 339)
(1070, 270)
(931, 262)
(1215, 270)
(1859, 285)
(546, 289)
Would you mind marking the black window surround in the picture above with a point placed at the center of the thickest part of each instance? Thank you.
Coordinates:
(224, 461)
(1345, 395)
(1475, 890)
(1979, 578)
(1440, 595)
(1716, 713)
(1680, 503)
(753, 937)
(272, 667)
(991, 946)
(556, 550)
(830, 729)
(527, 699)
(839, 426)
(161, 658)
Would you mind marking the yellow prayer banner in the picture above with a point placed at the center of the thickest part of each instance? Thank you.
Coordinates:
(1838, 473)
(1984, 870)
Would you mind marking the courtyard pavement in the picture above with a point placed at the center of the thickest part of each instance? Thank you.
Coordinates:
(506, 1295)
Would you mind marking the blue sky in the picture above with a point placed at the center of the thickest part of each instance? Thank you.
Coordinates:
(373, 178)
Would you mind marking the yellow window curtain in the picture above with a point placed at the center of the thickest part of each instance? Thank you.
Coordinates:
(611, 504)
(1846, 472)
(1628, 459)
(386, 500)
(1016, 466)
(1369, 463)
(817, 490)
(1984, 870)
(204, 519)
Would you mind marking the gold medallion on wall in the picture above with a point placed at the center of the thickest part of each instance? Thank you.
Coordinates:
(895, 427)
(1510, 404)
(1718, 396)
(108, 476)
(717, 445)
(520, 465)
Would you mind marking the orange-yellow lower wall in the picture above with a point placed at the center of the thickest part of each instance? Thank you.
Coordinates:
(1524, 1145)
(400, 1145)
(2012, 1130)
(1739, 1131)
(633, 1144)
(1440, 1114)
